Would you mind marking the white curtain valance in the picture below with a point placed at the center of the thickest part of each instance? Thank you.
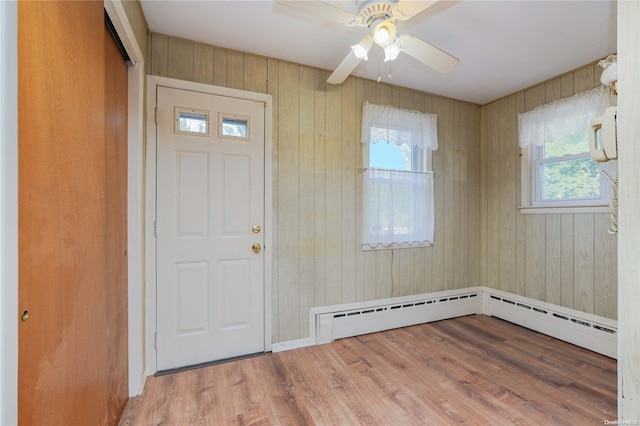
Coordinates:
(400, 126)
(568, 116)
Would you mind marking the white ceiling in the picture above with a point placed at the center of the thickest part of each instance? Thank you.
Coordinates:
(503, 46)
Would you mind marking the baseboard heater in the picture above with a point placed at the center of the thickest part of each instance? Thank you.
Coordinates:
(592, 332)
(336, 322)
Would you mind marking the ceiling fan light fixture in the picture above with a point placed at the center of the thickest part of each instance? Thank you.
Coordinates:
(361, 49)
(384, 33)
(391, 52)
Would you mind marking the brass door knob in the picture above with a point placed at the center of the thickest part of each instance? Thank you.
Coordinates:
(255, 229)
(25, 315)
(256, 248)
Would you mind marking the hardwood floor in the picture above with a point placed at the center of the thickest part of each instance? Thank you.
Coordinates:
(475, 370)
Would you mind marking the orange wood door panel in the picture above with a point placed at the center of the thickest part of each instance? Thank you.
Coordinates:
(116, 227)
(72, 349)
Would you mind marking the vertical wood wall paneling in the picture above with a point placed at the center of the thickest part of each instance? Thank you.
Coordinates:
(553, 265)
(458, 231)
(484, 208)
(559, 258)
(348, 158)
(288, 200)
(449, 202)
(273, 89)
(220, 68)
(333, 194)
(180, 63)
(566, 262)
(437, 276)
(583, 262)
(202, 63)
(235, 70)
(317, 185)
(507, 190)
(521, 228)
(474, 194)
(493, 194)
(255, 74)
(604, 269)
(159, 59)
(306, 210)
(361, 282)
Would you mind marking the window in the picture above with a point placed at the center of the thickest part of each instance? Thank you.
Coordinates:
(398, 183)
(191, 121)
(557, 168)
(234, 126)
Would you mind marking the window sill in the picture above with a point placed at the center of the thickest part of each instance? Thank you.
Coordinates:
(564, 209)
(367, 247)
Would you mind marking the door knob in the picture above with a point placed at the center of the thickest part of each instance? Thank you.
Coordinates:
(25, 315)
(255, 229)
(256, 248)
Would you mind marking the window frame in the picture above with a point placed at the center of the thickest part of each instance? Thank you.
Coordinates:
(531, 184)
(532, 178)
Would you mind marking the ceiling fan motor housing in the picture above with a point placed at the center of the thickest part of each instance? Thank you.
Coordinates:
(375, 11)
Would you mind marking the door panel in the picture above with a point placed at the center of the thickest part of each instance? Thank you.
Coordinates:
(210, 194)
(72, 349)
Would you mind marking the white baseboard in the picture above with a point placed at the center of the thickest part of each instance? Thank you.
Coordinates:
(292, 344)
(329, 323)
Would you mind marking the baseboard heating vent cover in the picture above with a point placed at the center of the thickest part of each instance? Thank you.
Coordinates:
(588, 331)
(336, 322)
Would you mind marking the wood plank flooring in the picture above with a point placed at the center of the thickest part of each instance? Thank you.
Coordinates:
(474, 370)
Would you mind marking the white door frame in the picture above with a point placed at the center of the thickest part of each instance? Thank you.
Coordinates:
(150, 241)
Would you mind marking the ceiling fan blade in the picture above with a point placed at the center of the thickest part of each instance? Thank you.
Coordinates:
(406, 9)
(323, 10)
(427, 54)
(348, 64)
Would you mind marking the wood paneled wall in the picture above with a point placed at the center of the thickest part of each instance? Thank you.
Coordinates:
(317, 185)
(138, 22)
(565, 259)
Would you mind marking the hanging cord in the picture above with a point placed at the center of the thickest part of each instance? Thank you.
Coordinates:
(613, 204)
(393, 283)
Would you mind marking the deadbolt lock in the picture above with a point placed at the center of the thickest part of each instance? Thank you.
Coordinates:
(256, 248)
(255, 229)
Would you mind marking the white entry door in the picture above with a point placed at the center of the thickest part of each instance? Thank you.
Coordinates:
(210, 214)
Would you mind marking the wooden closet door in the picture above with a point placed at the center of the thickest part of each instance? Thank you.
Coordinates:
(72, 359)
(116, 227)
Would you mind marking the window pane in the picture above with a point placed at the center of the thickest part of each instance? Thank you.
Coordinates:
(390, 156)
(573, 179)
(562, 139)
(192, 122)
(235, 127)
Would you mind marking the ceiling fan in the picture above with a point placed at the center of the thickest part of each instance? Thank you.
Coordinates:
(380, 18)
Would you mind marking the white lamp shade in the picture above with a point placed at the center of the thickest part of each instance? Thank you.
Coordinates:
(391, 52)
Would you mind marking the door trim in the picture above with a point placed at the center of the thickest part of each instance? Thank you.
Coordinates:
(150, 241)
